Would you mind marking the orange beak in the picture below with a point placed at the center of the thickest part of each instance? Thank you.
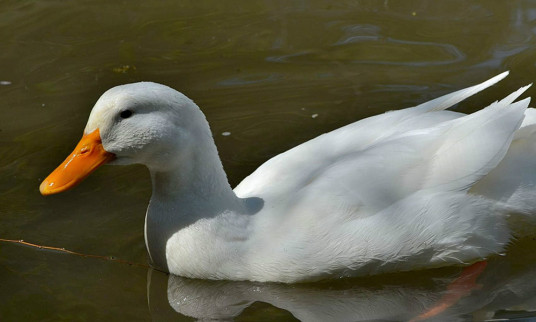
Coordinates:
(88, 155)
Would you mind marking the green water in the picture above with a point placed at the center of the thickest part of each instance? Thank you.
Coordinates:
(273, 74)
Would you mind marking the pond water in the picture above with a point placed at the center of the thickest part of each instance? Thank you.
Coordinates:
(268, 75)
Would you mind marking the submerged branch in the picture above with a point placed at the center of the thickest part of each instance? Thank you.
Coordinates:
(63, 250)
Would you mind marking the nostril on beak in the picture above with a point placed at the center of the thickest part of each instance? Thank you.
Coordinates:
(84, 150)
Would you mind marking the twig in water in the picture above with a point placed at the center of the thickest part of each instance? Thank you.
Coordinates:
(108, 258)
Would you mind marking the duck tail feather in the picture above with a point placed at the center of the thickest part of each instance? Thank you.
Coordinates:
(446, 101)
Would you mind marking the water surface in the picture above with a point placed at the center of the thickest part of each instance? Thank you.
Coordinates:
(268, 74)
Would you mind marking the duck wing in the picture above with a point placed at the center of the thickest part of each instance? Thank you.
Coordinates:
(295, 168)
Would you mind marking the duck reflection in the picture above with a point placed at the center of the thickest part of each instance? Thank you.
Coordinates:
(500, 288)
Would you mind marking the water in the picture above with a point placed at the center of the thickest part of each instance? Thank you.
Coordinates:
(269, 75)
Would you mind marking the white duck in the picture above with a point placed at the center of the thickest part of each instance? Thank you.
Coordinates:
(409, 189)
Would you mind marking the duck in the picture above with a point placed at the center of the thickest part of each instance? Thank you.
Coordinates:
(409, 189)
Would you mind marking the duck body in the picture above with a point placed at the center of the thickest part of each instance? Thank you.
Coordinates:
(409, 189)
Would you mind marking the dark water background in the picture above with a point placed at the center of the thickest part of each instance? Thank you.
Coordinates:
(273, 74)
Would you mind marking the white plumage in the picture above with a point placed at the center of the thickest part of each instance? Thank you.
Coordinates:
(408, 189)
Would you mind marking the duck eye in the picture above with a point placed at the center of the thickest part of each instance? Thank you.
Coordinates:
(126, 114)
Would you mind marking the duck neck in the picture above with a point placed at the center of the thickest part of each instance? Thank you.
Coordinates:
(184, 193)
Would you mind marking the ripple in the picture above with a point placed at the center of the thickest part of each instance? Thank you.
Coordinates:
(359, 33)
(376, 50)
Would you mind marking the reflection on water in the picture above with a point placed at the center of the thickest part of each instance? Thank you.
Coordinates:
(268, 74)
(480, 292)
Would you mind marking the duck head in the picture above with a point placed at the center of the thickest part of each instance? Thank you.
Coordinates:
(145, 123)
